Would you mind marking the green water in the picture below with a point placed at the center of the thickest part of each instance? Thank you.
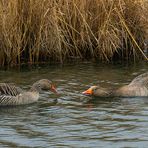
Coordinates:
(69, 119)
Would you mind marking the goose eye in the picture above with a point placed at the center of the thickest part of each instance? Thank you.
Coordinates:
(95, 88)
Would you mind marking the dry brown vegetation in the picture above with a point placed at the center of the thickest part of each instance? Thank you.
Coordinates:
(56, 30)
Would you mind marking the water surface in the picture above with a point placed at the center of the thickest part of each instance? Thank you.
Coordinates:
(70, 119)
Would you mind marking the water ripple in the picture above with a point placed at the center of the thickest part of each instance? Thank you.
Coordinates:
(70, 119)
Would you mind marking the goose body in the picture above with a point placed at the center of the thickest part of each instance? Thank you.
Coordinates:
(12, 95)
(138, 87)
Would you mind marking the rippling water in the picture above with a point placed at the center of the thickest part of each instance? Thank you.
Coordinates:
(70, 119)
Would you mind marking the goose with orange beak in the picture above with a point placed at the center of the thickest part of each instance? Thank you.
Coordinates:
(11, 95)
(137, 88)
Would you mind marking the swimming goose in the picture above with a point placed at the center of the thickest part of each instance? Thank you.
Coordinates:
(137, 87)
(13, 95)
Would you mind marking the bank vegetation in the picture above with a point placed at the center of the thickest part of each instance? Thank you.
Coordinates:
(33, 31)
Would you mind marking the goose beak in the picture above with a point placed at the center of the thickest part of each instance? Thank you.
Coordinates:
(53, 89)
(88, 92)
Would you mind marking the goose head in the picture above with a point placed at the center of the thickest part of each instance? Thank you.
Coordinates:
(44, 85)
(97, 91)
(91, 91)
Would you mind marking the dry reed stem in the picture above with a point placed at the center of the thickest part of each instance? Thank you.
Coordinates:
(36, 31)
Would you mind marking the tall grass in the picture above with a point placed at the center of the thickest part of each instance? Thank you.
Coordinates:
(56, 30)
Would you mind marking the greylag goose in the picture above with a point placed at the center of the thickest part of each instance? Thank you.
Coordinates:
(13, 95)
(138, 87)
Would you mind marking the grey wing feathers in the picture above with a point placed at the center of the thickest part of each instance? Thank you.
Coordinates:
(141, 80)
(8, 100)
(9, 89)
(5, 99)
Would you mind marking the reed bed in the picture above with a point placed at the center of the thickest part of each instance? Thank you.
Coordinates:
(57, 30)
